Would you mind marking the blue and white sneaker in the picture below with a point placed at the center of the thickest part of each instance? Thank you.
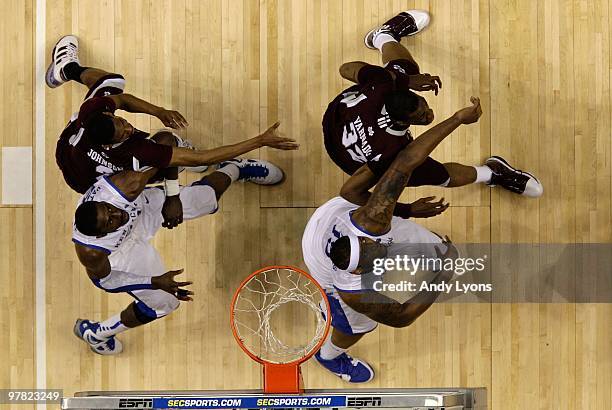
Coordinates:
(66, 51)
(86, 331)
(347, 368)
(257, 171)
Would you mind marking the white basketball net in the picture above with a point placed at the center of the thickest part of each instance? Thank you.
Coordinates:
(271, 315)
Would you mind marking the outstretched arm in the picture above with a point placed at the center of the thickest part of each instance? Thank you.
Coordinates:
(270, 138)
(375, 216)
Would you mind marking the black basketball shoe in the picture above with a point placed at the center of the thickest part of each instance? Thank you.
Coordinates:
(514, 180)
(407, 23)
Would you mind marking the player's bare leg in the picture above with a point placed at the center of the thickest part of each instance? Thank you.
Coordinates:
(343, 340)
(461, 175)
(394, 50)
(219, 181)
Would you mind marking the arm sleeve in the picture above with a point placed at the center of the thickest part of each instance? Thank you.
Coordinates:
(95, 105)
(119, 281)
(372, 74)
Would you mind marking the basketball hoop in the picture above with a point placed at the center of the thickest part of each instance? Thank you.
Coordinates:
(263, 309)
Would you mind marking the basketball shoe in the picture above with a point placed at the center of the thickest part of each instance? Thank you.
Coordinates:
(86, 331)
(257, 171)
(347, 368)
(407, 23)
(66, 51)
(512, 179)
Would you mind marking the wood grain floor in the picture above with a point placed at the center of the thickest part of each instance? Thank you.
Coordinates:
(232, 67)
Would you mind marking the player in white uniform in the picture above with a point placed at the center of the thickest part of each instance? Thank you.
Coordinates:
(114, 222)
(342, 241)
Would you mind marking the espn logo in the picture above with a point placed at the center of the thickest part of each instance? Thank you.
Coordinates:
(364, 402)
(135, 403)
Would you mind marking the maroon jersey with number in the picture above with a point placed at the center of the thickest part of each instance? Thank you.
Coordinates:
(82, 162)
(356, 127)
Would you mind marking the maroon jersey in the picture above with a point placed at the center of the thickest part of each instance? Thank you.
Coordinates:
(357, 129)
(83, 162)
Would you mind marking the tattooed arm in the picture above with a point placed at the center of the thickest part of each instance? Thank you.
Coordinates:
(375, 216)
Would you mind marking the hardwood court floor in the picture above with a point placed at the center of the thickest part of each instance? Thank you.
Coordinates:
(232, 67)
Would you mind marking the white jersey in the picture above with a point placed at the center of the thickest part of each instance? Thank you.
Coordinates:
(129, 247)
(333, 220)
(105, 191)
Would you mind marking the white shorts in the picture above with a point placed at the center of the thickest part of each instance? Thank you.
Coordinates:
(346, 319)
(137, 256)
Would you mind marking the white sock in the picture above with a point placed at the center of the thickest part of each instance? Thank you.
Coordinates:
(381, 39)
(231, 170)
(111, 326)
(330, 351)
(483, 174)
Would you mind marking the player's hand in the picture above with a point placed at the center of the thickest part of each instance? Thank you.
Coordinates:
(471, 114)
(167, 283)
(424, 82)
(427, 207)
(172, 211)
(172, 119)
(271, 138)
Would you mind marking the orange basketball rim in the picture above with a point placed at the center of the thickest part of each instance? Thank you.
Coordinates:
(262, 315)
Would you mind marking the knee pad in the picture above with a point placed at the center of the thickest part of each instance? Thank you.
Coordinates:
(161, 307)
(143, 313)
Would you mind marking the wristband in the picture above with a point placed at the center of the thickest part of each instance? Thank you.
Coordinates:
(171, 187)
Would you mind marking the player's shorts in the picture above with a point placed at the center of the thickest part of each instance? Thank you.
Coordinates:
(346, 319)
(110, 84)
(430, 172)
(137, 256)
(403, 66)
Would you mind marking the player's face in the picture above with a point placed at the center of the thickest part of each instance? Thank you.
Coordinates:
(369, 251)
(423, 115)
(123, 129)
(110, 218)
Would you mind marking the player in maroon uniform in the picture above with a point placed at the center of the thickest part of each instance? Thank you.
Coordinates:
(96, 142)
(368, 124)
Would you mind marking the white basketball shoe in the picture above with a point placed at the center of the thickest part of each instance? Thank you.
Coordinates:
(66, 51)
(86, 331)
(257, 171)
